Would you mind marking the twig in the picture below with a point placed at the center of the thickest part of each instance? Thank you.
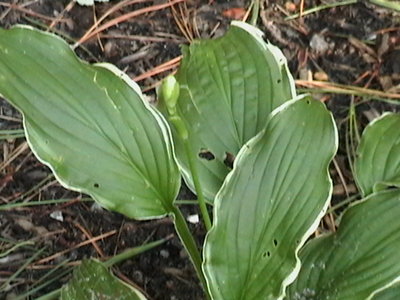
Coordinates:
(142, 38)
(21, 148)
(124, 18)
(90, 237)
(173, 63)
(321, 7)
(346, 89)
(84, 243)
(60, 16)
(113, 9)
(26, 11)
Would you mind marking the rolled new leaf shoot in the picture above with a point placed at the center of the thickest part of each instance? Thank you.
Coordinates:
(170, 94)
(89, 124)
(228, 87)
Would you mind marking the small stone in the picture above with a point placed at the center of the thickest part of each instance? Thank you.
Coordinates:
(321, 76)
(96, 207)
(110, 49)
(164, 253)
(169, 284)
(318, 43)
(305, 74)
(194, 219)
(138, 276)
(57, 215)
(290, 6)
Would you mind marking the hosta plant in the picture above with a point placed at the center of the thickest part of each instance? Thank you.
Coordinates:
(230, 123)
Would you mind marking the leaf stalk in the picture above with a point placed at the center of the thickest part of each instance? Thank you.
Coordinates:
(170, 91)
(196, 182)
(188, 241)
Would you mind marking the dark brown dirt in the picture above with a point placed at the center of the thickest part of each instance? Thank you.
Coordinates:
(356, 44)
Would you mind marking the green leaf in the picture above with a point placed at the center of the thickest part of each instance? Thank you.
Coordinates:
(377, 165)
(361, 258)
(228, 87)
(271, 202)
(92, 280)
(391, 293)
(89, 124)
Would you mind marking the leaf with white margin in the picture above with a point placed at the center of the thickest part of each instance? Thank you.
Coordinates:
(92, 280)
(360, 259)
(89, 124)
(228, 87)
(377, 163)
(391, 293)
(271, 203)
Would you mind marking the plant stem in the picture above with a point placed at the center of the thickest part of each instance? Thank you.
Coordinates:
(343, 203)
(170, 93)
(132, 252)
(51, 296)
(321, 7)
(255, 12)
(41, 202)
(190, 245)
(196, 182)
(184, 136)
(186, 202)
(21, 269)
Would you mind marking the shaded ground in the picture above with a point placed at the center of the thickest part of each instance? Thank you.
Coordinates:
(355, 45)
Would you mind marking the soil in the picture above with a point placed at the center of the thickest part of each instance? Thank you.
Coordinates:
(357, 44)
